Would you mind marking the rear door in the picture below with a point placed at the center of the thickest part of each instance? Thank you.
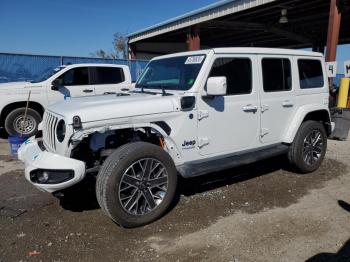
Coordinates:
(277, 96)
(108, 80)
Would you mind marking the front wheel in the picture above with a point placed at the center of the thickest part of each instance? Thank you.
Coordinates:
(136, 184)
(16, 124)
(309, 147)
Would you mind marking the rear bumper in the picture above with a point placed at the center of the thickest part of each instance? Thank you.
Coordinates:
(37, 159)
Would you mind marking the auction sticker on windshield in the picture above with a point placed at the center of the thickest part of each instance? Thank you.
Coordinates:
(194, 59)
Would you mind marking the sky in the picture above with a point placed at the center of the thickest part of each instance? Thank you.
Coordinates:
(80, 27)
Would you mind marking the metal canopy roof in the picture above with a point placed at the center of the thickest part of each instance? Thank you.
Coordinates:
(200, 15)
(244, 23)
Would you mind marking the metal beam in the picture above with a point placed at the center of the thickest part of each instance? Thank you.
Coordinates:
(193, 38)
(260, 27)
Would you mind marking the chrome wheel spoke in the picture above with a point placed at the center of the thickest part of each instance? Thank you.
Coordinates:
(131, 180)
(133, 200)
(147, 168)
(149, 198)
(158, 181)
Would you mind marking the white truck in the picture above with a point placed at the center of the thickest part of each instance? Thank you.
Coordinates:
(190, 114)
(54, 85)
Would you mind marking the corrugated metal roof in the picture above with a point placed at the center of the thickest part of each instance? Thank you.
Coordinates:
(206, 13)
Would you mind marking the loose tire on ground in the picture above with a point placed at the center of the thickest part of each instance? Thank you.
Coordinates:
(15, 118)
(310, 140)
(123, 167)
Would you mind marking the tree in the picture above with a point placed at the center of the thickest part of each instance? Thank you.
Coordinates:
(120, 44)
(119, 48)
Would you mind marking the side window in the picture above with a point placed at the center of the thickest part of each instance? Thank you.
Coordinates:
(277, 75)
(109, 75)
(238, 72)
(310, 73)
(76, 76)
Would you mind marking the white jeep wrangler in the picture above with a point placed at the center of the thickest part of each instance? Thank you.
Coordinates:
(53, 86)
(190, 114)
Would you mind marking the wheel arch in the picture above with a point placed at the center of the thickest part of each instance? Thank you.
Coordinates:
(161, 130)
(12, 106)
(311, 112)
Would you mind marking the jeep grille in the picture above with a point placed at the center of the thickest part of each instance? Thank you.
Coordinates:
(49, 131)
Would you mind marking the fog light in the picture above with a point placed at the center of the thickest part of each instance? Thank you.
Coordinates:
(43, 178)
(50, 176)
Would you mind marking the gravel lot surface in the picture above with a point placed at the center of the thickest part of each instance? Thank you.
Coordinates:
(260, 212)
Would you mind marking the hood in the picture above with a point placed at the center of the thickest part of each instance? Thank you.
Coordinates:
(96, 108)
(16, 85)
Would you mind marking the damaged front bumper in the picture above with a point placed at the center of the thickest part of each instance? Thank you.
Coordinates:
(48, 171)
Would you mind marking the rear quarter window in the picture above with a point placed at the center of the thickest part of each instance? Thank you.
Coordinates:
(109, 75)
(310, 73)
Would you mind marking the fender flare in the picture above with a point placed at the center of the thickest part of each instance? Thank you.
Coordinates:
(298, 119)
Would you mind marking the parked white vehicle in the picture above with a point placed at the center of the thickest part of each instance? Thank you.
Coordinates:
(190, 114)
(53, 86)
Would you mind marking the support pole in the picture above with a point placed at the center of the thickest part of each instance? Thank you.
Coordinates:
(193, 39)
(333, 31)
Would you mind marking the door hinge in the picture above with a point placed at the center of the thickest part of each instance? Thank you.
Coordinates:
(202, 114)
(264, 108)
(263, 132)
(203, 141)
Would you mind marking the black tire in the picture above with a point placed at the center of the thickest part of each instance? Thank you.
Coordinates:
(301, 155)
(110, 181)
(13, 119)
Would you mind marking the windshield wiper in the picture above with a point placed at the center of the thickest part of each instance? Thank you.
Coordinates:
(142, 86)
(145, 92)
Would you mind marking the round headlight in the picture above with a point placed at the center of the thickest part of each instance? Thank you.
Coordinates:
(61, 130)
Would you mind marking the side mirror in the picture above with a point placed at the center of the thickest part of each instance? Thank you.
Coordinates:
(216, 86)
(56, 84)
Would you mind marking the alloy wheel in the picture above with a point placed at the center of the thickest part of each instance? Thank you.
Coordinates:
(143, 186)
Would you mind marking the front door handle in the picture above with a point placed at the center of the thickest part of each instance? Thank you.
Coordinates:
(287, 103)
(88, 90)
(250, 108)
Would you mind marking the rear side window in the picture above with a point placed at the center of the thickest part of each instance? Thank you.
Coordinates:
(109, 75)
(238, 72)
(310, 73)
(277, 75)
(76, 77)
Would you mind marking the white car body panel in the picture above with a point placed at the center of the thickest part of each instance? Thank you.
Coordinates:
(211, 129)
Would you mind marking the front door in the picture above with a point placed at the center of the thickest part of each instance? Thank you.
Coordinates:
(76, 82)
(277, 97)
(230, 123)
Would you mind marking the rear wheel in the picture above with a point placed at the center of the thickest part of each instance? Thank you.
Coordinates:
(309, 147)
(15, 123)
(136, 184)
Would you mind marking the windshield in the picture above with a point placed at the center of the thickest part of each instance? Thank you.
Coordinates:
(176, 73)
(47, 74)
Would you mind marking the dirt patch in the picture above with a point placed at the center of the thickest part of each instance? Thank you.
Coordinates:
(7, 158)
(235, 214)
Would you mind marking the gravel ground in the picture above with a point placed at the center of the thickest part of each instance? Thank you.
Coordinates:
(260, 212)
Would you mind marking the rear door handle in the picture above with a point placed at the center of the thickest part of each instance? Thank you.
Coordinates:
(88, 90)
(287, 103)
(250, 108)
